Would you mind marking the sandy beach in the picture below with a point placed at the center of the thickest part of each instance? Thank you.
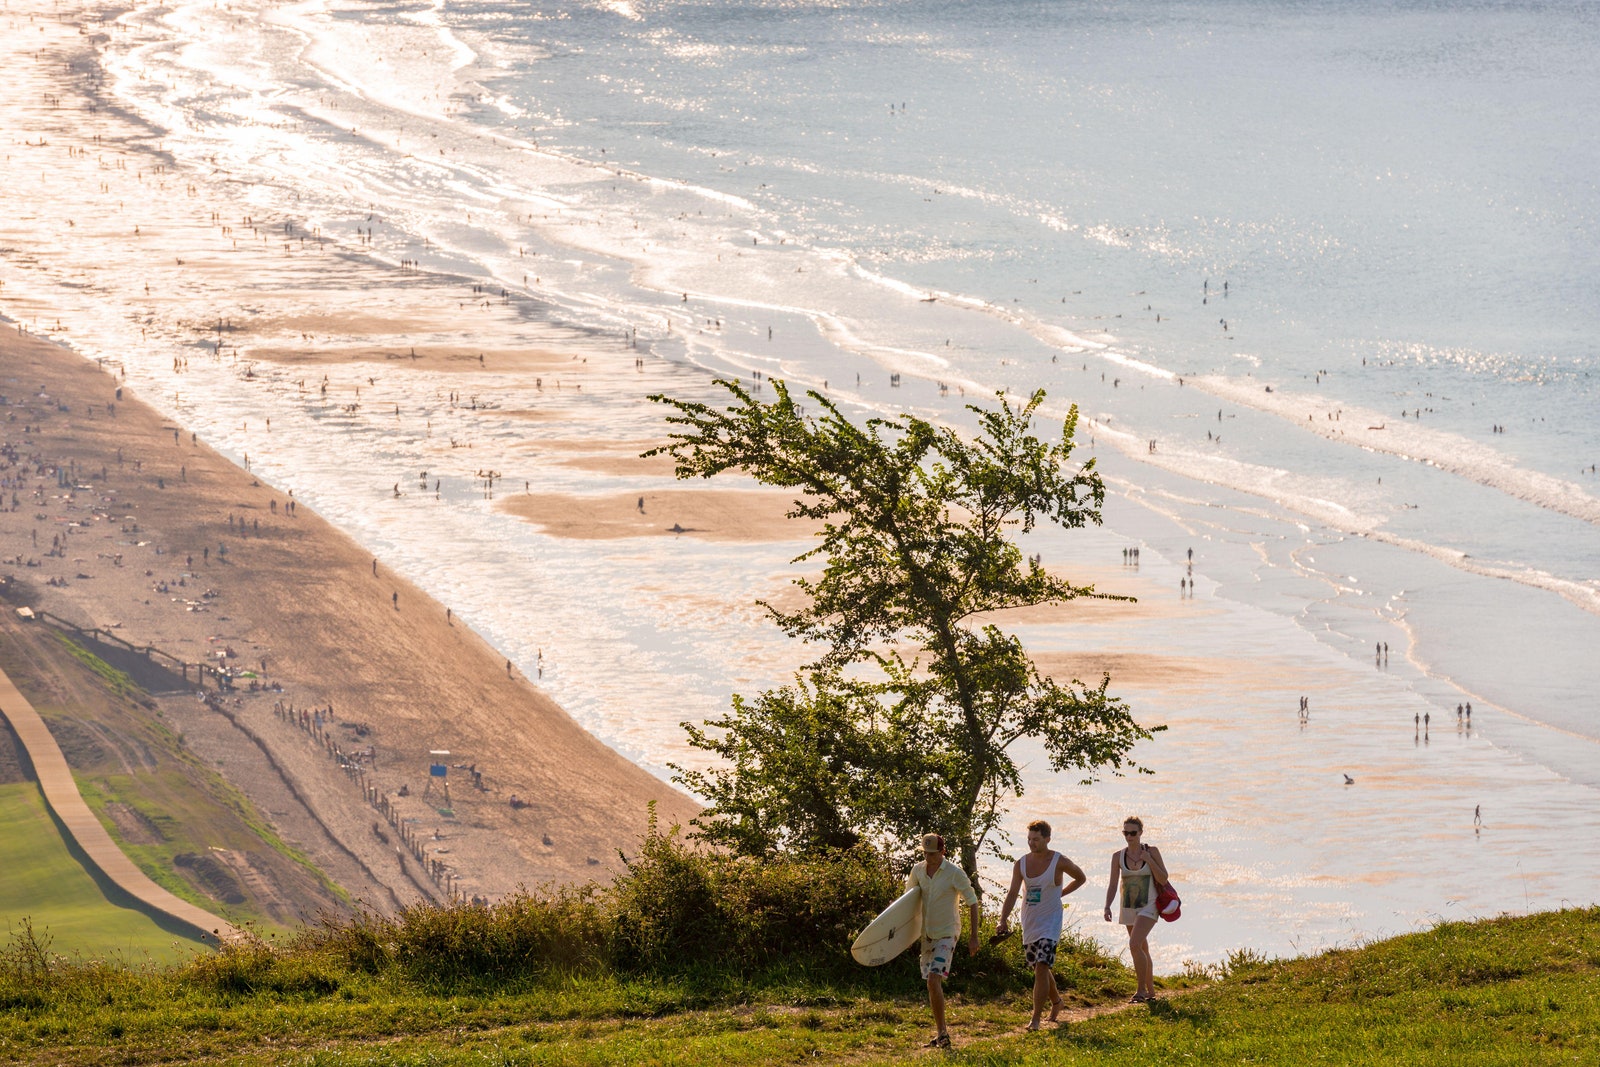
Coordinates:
(165, 543)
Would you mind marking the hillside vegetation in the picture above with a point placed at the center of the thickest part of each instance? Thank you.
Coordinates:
(45, 883)
(179, 820)
(692, 959)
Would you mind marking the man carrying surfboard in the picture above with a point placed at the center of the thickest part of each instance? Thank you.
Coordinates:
(1042, 872)
(941, 882)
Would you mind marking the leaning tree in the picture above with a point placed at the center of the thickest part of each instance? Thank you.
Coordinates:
(906, 720)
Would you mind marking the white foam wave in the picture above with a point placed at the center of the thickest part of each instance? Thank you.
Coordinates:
(1122, 359)
(1408, 439)
(1306, 496)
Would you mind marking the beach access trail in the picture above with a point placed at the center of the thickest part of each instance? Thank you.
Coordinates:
(66, 803)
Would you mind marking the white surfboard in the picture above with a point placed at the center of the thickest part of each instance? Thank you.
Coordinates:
(892, 932)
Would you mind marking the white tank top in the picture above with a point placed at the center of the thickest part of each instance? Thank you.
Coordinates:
(1041, 902)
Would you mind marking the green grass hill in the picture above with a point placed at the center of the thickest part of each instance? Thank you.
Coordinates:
(593, 977)
(178, 819)
(44, 883)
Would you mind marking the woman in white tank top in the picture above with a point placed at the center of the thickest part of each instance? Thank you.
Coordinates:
(1138, 869)
(1037, 876)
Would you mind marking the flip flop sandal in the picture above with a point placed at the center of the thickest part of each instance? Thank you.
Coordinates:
(942, 1041)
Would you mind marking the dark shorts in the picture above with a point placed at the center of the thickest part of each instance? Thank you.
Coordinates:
(1040, 951)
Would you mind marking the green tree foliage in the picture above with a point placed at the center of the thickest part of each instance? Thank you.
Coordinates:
(905, 721)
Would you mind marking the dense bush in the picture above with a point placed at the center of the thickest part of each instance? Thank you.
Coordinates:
(524, 936)
(675, 909)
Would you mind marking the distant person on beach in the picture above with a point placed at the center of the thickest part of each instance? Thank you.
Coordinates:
(1041, 871)
(1138, 869)
(941, 883)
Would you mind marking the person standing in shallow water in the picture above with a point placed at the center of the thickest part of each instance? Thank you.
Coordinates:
(1138, 869)
(1041, 871)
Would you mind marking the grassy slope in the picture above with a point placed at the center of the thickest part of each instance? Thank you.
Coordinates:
(136, 761)
(42, 881)
(1509, 991)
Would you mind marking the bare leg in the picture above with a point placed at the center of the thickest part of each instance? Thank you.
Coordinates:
(1057, 1001)
(1139, 949)
(1042, 981)
(936, 1002)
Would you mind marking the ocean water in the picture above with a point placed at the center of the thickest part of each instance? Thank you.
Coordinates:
(1295, 262)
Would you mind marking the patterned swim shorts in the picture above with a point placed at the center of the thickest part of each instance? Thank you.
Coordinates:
(1040, 951)
(936, 957)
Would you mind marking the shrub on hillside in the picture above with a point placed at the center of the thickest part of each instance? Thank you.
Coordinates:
(676, 907)
(523, 936)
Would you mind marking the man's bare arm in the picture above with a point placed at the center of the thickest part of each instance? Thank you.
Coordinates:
(1078, 877)
(1011, 895)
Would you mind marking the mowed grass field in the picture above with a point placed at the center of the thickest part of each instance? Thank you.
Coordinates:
(42, 881)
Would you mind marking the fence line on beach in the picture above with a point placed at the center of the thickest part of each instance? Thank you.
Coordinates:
(443, 876)
(149, 652)
(313, 723)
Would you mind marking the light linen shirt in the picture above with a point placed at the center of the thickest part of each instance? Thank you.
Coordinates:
(941, 914)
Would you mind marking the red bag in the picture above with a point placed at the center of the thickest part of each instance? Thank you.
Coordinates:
(1168, 906)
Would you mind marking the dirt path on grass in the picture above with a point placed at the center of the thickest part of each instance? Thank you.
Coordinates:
(993, 1026)
(61, 794)
(810, 1034)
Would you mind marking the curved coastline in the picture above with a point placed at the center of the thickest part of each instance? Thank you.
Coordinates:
(324, 628)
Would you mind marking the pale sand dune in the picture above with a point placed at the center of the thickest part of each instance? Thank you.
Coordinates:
(1147, 602)
(622, 465)
(621, 458)
(334, 351)
(581, 446)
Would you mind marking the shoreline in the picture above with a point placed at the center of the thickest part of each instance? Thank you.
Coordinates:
(148, 506)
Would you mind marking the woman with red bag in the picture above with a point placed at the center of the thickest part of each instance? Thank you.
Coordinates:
(1138, 869)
